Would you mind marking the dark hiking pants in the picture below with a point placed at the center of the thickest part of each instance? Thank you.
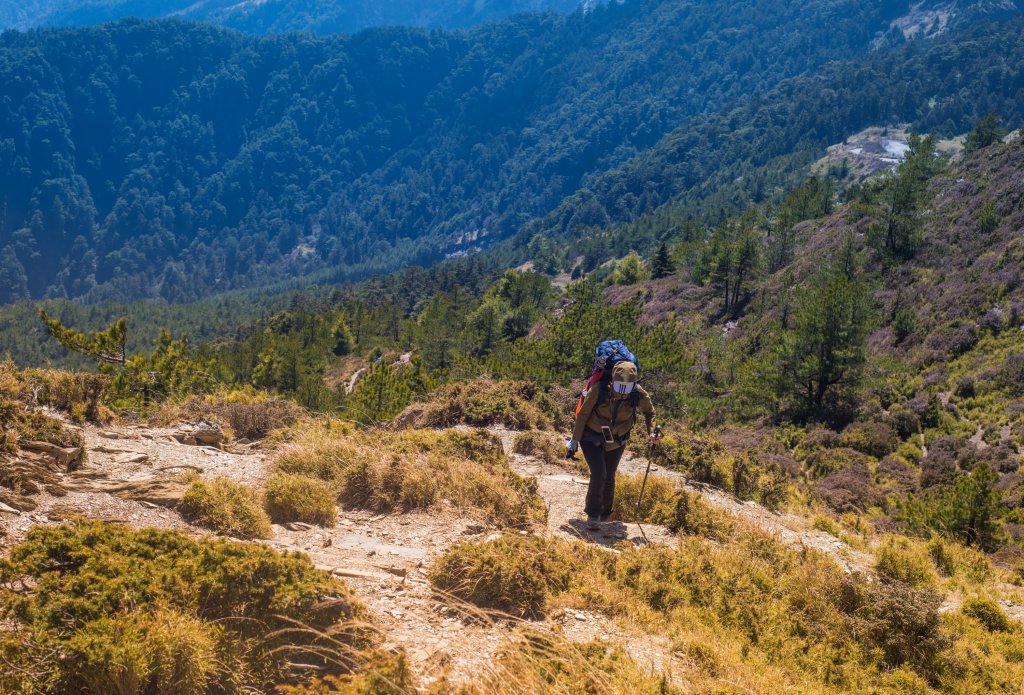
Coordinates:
(601, 491)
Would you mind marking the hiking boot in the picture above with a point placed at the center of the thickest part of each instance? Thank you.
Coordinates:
(593, 523)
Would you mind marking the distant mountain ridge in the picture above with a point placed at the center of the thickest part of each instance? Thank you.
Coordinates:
(172, 160)
(277, 16)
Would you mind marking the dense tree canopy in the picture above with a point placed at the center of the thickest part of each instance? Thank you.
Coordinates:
(716, 164)
(276, 16)
(171, 160)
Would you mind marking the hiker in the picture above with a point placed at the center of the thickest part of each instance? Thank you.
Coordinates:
(604, 421)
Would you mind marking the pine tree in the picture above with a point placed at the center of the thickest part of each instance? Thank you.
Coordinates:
(973, 507)
(13, 279)
(746, 257)
(662, 264)
(140, 379)
(379, 395)
(484, 328)
(342, 337)
(106, 346)
(986, 132)
(899, 198)
(825, 348)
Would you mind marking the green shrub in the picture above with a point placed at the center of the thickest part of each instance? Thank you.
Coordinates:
(988, 613)
(700, 457)
(300, 498)
(514, 574)
(822, 462)
(227, 507)
(151, 611)
(941, 557)
(987, 217)
(874, 438)
(165, 653)
(905, 422)
(898, 560)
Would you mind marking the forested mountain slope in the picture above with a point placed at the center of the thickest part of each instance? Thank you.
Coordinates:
(716, 164)
(276, 16)
(172, 160)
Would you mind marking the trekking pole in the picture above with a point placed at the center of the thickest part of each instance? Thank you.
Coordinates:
(643, 485)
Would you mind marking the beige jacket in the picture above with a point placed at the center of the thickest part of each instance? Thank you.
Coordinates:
(593, 416)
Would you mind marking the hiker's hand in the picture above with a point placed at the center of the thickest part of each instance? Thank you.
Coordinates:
(655, 435)
(570, 448)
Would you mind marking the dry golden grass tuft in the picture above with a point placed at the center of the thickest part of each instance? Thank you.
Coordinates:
(748, 613)
(411, 469)
(249, 414)
(227, 507)
(514, 574)
(546, 446)
(300, 498)
(520, 405)
(547, 663)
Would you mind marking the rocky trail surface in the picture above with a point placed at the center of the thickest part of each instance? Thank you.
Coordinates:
(133, 476)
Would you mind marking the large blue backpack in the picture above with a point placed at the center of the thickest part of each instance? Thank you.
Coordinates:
(609, 353)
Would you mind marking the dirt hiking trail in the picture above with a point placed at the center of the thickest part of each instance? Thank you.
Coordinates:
(133, 477)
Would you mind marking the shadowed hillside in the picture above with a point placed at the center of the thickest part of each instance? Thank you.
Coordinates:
(170, 161)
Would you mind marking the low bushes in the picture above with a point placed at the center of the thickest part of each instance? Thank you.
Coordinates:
(988, 613)
(514, 574)
(19, 422)
(873, 438)
(227, 507)
(77, 394)
(248, 414)
(767, 613)
(300, 498)
(520, 405)
(412, 469)
(154, 611)
(548, 447)
(704, 458)
(700, 457)
(898, 560)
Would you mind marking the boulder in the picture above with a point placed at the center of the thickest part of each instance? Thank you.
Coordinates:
(201, 433)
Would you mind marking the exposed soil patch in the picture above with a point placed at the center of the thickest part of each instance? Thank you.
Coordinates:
(133, 475)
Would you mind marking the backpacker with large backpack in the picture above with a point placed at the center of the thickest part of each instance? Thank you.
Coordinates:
(608, 354)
